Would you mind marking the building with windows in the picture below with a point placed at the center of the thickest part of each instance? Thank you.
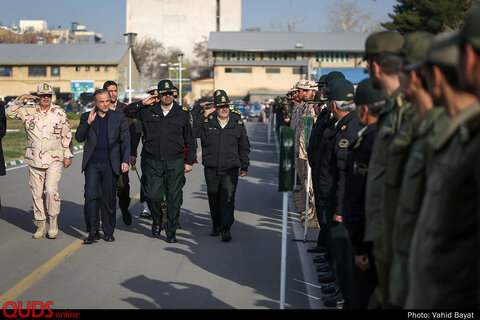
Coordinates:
(259, 65)
(23, 66)
(181, 24)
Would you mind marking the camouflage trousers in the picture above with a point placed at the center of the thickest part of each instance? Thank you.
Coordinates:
(44, 185)
(302, 172)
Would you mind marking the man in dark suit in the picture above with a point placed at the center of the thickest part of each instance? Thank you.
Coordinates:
(123, 188)
(105, 157)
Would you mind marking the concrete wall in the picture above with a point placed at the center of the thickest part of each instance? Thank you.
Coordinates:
(180, 24)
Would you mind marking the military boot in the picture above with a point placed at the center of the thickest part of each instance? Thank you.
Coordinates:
(53, 230)
(42, 229)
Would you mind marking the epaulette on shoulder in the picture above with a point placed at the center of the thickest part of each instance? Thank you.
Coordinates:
(236, 111)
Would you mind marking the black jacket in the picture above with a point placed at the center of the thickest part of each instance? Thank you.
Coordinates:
(334, 161)
(223, 149)
(354, 200)
(324, 120)
(131, 129)
(118, 139)
(166, 137)
(3, 130)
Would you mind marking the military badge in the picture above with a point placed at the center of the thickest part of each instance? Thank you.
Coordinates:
(239, 122)
(344, 127)
(358, 143)
(343, 143)
(31, 126)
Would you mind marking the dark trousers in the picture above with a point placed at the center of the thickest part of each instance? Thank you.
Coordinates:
(221, 189)
(100, 186)
(322, 239)
(165, 178)
(123, 191)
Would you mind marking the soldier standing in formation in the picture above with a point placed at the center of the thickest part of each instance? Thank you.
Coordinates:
(49, 139)
(225, 149)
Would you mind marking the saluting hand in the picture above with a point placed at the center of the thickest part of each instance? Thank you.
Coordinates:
(92, 115)
(208, 111)
(150, 99)
(28, 97)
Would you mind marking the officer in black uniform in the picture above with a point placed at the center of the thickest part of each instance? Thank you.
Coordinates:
(168, 134)
(332, 180)
(225, 149)
(361, 270)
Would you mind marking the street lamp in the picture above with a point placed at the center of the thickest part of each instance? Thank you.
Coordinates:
(180, 57)
(131, 41)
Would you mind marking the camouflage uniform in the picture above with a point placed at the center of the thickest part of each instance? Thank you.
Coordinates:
(49, 138)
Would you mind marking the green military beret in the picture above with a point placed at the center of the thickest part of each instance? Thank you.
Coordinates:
(220, 98)
(165, 86)
(415, 49)
(384, 42)
(341, 90)
(443, 50)
(366, 94)
(470, 31)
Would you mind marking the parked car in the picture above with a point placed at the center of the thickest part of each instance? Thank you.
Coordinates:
(255, 111)
(241, 107)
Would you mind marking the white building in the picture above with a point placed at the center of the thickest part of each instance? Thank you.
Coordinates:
(33, 25)
(182, 23)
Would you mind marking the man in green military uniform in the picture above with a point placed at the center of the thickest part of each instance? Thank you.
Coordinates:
(225, 149)
(444, 265)
(414, 173)
(168, 134)
(383, 57)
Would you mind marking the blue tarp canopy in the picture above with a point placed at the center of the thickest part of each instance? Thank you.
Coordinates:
(354, 75)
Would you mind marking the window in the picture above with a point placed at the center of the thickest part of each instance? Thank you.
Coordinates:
(55, 71)
(339, 57)
(87, 69)
(97, 68)
(77, 68)
(107, 69)
(299, 70)
(282, 56)
(238, 70)
(37, 71)
(272, 70)
(5, 71)
(238, 56)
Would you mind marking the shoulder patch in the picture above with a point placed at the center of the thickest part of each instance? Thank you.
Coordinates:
(240, 122)
(344, 127)
(343, 143)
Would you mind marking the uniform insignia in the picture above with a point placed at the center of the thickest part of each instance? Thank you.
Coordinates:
(358, 143)
(31, 126)
(211, 117)
(343, 127)
(167, 85)
(239, 122)
(184, 108)
(223, 99)
(343, 143)
(218, 93)
(206, 120)
(46, 86)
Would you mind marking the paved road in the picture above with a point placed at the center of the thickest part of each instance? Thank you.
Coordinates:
(139, 271)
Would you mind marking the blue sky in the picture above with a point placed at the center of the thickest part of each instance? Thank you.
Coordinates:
(108, 16)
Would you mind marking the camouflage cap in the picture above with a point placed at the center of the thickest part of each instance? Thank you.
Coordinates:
(165, 86)
(44, 88)
(443, 49)
(220, 99)
(366, 94)
(384, 42)
(306, 85)
(341, 90)
(415, 49)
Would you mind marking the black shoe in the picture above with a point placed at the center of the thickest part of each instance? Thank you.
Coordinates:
(145, 215)
(316, 249)
(156, 230)
(126, 216)
(335, 302)
(108, 238)
(171, 239)
(321, 258)
(226, 236)
(324, 267)
(328, 289)
(92, 237)
(326, 278)
(214, 233)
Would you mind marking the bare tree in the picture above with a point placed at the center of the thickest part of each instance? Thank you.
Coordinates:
(345, 15)
(290, 21)
(202, 66)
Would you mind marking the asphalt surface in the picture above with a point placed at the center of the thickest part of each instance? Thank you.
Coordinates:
(137, 271)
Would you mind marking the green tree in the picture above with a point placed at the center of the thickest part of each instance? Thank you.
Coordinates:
(428, 15)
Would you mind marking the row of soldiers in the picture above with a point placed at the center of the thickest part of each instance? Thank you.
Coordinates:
(395, 173)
